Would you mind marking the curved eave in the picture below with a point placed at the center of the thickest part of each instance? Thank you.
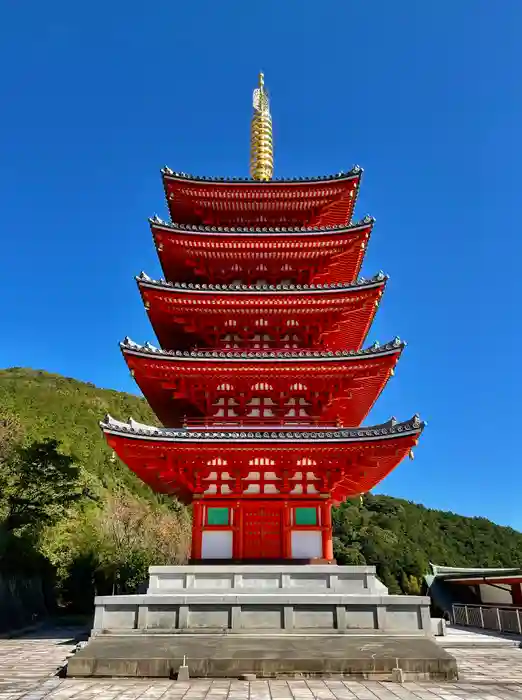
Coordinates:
(231, 232)
(129, 348)
(381, 433)
(145, 282)
(170, 176)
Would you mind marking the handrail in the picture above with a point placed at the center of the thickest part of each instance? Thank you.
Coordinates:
(507, 606)
(500, 618)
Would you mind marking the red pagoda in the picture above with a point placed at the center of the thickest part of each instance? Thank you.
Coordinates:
(261, 382)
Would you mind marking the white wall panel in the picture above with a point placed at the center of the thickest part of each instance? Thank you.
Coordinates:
(307, 544)
(216, 544)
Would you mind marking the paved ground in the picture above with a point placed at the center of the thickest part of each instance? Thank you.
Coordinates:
(28, 667)
(34, 657)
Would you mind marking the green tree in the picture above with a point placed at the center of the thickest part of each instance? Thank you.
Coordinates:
(41, 486)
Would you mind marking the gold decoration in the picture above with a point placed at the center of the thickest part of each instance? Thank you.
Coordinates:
(261, 145)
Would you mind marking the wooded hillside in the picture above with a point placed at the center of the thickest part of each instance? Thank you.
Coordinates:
(70, 507)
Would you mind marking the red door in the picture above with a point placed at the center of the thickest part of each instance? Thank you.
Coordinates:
(262, 531)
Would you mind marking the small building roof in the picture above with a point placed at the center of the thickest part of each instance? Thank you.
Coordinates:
(477, 575)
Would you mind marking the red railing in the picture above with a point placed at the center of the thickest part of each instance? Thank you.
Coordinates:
(267, 423)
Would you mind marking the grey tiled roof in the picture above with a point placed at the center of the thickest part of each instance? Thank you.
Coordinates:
(377, 279)
(355, 170)
(385, 431)
(253, 355)
(309, 230)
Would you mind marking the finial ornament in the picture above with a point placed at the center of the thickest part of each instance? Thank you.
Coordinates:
(261, 145)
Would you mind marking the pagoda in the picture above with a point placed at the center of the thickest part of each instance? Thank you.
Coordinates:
(262, 381)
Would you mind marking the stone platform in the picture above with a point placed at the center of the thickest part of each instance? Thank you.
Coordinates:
(268, 620)
(224, 656)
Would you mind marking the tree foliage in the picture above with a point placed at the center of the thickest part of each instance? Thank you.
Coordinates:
(129, 536)
(401, 538)
(40, 485)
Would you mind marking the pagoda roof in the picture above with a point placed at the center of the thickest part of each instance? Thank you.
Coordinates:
(217, 253)
(377, 280)
(185, 386)
(231, 202)
(259, 231)
(385, 431)
(335, 316)
(186, 462)
(256, 356)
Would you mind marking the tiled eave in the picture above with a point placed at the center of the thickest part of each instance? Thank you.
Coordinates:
(129, 347)
(355, 173)
(387, 431)
(378, 280)
(186, 229)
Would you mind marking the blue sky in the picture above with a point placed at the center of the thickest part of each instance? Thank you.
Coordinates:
(426, 96)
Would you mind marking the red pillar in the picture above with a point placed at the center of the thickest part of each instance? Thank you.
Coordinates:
(197, 529)
(238, 531)
(516, 594)
(287, 532)
(326, 523)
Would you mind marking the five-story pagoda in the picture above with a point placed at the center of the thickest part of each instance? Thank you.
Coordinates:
(261, 381)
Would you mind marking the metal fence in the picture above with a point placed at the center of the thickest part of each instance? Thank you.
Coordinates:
(489, 617)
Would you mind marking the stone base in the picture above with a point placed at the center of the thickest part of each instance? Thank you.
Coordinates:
(265, 578)
(225, 656)
(230, 620)
(268, 613)
(287, 599)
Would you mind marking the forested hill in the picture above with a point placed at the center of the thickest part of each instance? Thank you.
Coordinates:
(49, 405)
(400, 537)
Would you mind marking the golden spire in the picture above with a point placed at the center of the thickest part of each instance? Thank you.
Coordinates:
(261, 146)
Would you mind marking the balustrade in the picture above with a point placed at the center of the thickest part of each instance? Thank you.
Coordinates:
(489, 617)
